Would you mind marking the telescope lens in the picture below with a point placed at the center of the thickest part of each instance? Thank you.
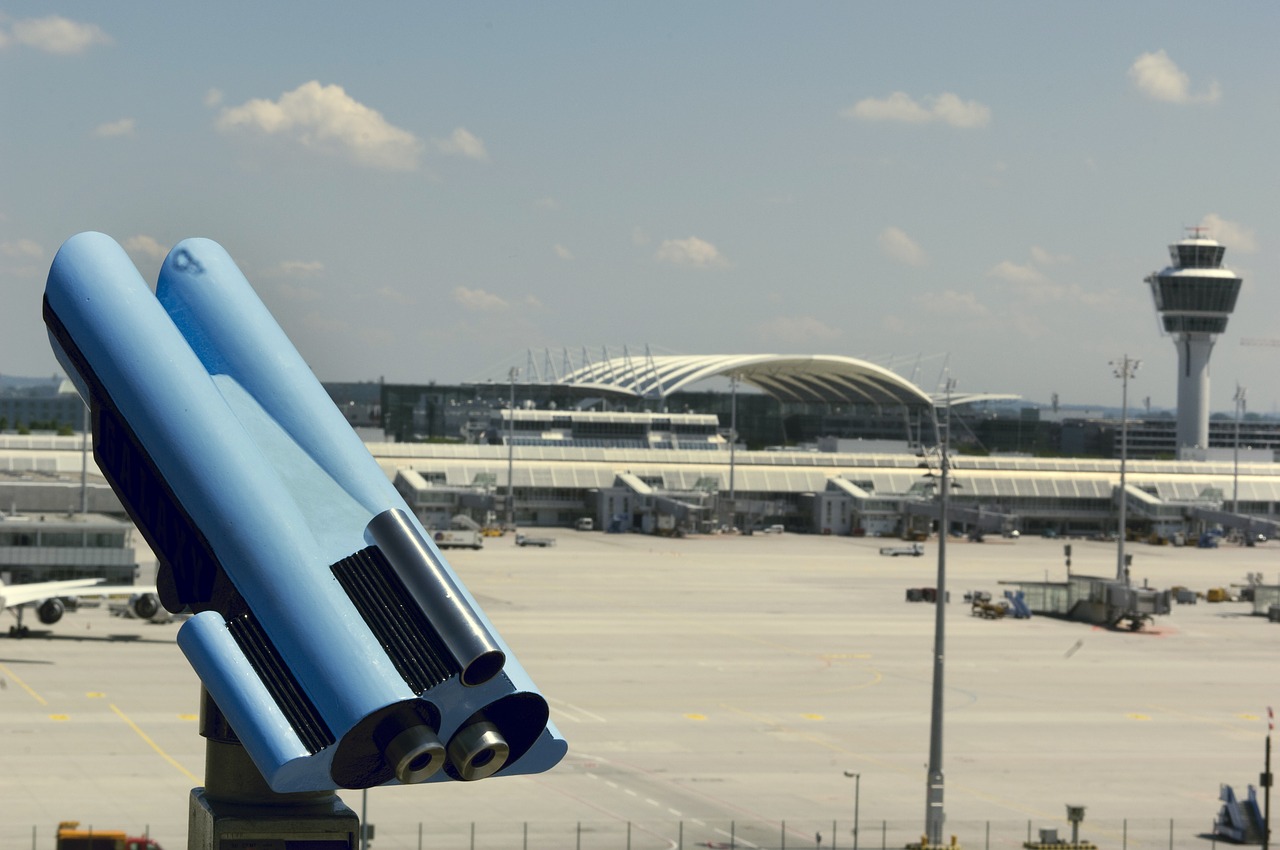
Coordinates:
(478, 751)
(415, 754)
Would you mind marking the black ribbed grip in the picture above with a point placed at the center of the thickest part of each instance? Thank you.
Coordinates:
(296, 706)
(410, 640)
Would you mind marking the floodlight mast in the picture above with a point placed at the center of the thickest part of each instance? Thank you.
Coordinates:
(1125, 368)
(934, 814)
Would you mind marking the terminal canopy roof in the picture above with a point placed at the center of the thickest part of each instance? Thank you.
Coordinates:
(827, 379)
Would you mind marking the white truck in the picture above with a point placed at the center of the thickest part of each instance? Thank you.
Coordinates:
(524, 540)
(458, 538)
(915, 550)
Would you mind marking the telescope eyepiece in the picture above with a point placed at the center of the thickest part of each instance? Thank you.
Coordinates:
(478, 751)
(415, 754)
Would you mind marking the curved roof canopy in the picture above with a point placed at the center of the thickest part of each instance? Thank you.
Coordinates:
(828, 379)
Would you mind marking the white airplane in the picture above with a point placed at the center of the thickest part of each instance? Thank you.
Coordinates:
(48, 598)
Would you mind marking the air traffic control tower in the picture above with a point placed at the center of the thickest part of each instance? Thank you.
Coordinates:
(1195, 297)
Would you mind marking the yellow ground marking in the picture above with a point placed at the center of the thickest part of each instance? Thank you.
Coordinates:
(1138, 716)
(813, 717)
(144, 736)
(95, 695)
(188, 717)
(35, 696)
(58, 717)
(695, 717)
(1248, 717)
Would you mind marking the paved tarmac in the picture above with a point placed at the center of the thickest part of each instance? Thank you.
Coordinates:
(714, 690)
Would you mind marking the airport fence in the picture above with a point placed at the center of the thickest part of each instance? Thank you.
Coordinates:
(691, 834)
(699, 834)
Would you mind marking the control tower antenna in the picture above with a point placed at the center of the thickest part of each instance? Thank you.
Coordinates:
(1194, 297)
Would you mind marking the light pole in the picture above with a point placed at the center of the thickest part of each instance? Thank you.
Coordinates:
(1124, 369)
(733, 443)
(1235, 455)
(857, 787)
(934, 814)
(511, 445)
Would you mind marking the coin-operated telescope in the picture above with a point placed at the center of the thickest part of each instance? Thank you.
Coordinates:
(342, 649)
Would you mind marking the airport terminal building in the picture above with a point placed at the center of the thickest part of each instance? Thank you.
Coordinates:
(607, 443)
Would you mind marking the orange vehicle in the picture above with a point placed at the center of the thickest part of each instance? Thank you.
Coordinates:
(71, 837)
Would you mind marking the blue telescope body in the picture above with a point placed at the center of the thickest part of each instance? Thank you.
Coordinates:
(328, 629)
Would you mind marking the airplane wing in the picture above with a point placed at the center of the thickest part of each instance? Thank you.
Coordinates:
(145, 601)
(13, 595)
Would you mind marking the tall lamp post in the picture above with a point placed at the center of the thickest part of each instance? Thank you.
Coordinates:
(857, 788)
(511, 445)
(1124, 370)
(934, 815)
(1235, 455)
(733, 444)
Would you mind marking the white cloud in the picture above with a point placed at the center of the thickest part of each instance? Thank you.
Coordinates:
(299, 268)
(395, 296)
(23, 248)
(1157, 77)
(479, 300)
(563, 252)
(212, 98)
(328, 119)
(639, 236)
(799, 331)
(1045, 258)
(895, 243)
(1010, 271)
(462, 142)
(950, 109)
(693, 252)
(145, 246)
(901, 107)
(1235, 236)
(123, 127)
(54, 34)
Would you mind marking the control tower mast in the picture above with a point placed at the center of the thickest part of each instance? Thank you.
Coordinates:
(1194, 297)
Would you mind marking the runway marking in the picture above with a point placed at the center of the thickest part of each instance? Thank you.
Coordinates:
(59, 717)
(572, 712)
(144, 736)
(35, 696)
(1138, 716)
(695, 717)
(188, 717)
(813, 717)
(95, 695)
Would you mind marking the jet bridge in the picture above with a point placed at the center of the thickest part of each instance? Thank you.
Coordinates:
(1099, 601)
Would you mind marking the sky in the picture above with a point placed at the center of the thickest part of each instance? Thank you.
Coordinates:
(441, 191)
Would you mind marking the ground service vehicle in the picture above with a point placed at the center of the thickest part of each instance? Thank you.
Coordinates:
(71, 837)
(915, 550)
(457, 538)
(523, 540)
